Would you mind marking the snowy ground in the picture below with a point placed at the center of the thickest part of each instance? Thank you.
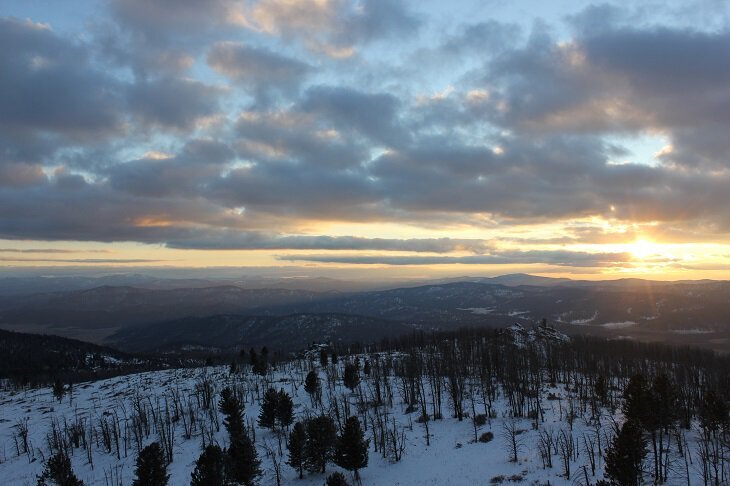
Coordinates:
(453, 458)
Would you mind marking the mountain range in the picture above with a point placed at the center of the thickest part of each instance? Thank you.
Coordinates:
(163, 313)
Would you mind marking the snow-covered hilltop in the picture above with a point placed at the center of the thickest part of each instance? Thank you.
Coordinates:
(455, 409)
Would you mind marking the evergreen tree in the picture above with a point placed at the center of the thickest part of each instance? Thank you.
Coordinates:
(323, 357)
(209, 468)
(242, 465)
(625, 455)
(58, 389)
(366, 367)
(267, 416)
(352, 448)
(601, 389)
(321, 441)
(297, 440)
(284, 410)
(336, 479)
(253, 357)
(312, 385)
(242, 462)
(662, 397)
(352, 376)
(261, 366)
(58, 472)
(334, 357)
(151, 468)
(231, 407)
(713, 412)
(636, 400)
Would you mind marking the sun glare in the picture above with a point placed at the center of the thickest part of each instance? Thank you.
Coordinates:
(643, 249)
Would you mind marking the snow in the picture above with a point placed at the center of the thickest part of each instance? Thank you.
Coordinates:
(477, 310)
(618, 325)
(453, 458)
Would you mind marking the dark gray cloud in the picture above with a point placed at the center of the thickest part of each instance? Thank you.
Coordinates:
(184, 175)
(374, 115)
(172, 102)
(259, 70)
(613, 77)
(20, 175)
(558, 258)
(49, 88)
(231, 240)
(49, 250)
(336, 28)
(119, 261)
(298, 139)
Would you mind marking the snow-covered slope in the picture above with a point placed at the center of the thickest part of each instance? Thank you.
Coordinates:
(452, 458)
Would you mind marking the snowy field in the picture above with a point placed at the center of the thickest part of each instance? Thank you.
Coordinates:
(452, 458)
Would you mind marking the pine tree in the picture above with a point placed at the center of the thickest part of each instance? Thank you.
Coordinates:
(662, 397)
(267, 416)
(625, 455)
(231, 407)
(323, 357)
(312, 386)
(366, 367)
(352, 448)
(636, 400)
(253, 357)
(321, 441)
(352, 376)
(336, 479)
(151, 468)
(297, 440)
(601, 389)
(713, 412)
(243, 463)
(284, 410)
(58, 471)
(58, 389)
(209, 468)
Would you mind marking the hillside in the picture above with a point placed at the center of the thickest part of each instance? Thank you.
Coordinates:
(673, 312)
(40, 359)
(475, 407)
(232, 332)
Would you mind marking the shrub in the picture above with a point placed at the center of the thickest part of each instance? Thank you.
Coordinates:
(486, 437)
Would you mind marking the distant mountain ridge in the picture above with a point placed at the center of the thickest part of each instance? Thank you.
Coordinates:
(233, 332)
(693, 312)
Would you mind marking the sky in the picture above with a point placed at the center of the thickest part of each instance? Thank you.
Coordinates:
(366, 138)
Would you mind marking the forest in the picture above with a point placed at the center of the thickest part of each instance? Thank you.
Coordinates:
(510, 405)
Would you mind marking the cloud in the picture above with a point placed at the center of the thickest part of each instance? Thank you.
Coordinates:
(82, 260)
(49, 250)
(257, 69)
(50, 88)
(183, 175)
(373, 115)
(617, 77)
(558, 258)
(172, 102)
(230, 240)
(333, 27)
(525, 129)
(21, 175)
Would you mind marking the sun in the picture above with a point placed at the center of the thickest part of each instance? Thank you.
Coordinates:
(643, 248)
